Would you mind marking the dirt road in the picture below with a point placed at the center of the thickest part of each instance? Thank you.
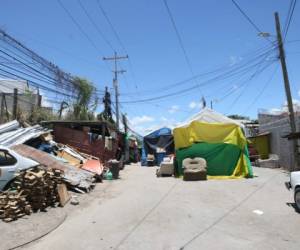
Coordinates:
(140, 211)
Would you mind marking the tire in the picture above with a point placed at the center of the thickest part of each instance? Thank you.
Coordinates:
(297, 198)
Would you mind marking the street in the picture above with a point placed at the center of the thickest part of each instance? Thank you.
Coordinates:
(141, 211)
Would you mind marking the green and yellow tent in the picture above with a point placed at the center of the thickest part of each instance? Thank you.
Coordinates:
(223, 146)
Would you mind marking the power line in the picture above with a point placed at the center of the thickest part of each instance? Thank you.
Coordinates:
(37, 84)
(224, 76)
(43, 75)
(78, 25)
(223, 70)
(262, 90)
(45, 64)
(250, 20)
(288, 15)
(100, 7)
(292, 6)
(188, 62)
(246, 86)
(95, 25)
(62, 51)
(111, 25)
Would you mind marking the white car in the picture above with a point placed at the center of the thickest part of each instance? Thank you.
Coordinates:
(11, 163)
(294, 184)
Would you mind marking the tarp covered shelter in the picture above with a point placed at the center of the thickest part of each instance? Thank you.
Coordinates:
(161, 139)
(211, 116)
(222, 145)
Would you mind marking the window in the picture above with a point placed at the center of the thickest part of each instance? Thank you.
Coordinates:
(6, 159)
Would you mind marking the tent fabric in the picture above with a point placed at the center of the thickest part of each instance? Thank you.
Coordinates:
(159, 139)
(224, 147)
(210, 116)
(216, 156)
(159, 132)
(209, 132)
(164, 141)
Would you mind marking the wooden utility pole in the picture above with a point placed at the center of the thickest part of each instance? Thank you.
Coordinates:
(15, 103)
(63, 106)
(287, 90)
(115, 58)
(126, 141)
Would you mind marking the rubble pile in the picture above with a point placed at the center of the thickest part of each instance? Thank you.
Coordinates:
(32, 190)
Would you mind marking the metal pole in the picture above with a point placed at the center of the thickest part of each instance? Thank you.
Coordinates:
(287, 90)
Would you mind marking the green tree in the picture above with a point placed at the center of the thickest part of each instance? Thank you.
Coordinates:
(87, 100)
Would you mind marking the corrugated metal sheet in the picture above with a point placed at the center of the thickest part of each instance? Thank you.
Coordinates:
(9, 126)
(12, 133)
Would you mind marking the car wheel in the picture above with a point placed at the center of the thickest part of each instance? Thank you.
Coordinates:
(297, 198)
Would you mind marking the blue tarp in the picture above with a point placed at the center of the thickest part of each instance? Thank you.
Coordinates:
(159, 132)
(161, 138)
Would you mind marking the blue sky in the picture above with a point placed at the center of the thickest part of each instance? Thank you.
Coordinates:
(214, 34)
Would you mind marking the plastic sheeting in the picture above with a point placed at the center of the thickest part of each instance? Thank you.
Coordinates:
(224, 146)
(209, 132)
(210, 116)
(159, 139)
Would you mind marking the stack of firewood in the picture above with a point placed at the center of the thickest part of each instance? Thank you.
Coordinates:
(34, 189)
(13, 205)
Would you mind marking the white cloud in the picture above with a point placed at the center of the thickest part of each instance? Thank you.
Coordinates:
(137, 120)
(173, 109)
(284, 108)
(164, 119)
(194, 105)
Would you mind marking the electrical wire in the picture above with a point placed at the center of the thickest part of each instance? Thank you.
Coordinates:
(246, 86)
(262, 90)
(95, 26)
(250, 20)
(43, 75)
(80, 28)
(293, 5)
(223, 69)
(101, 9)
(188, 62)
(37, 84)
(228, 74)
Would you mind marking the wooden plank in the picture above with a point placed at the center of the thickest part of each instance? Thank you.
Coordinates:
(63, 194)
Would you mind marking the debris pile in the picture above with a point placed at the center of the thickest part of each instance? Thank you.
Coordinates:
(32, 190)
(77, 179)
(13, 205)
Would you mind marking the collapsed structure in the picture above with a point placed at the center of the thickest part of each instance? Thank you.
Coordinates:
(33, 164)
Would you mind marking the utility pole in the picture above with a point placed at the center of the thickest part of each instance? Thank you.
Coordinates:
(107, 106)
(63, 106)
(124, 118)
(15, 103)
(287, 90)
(115, 58)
